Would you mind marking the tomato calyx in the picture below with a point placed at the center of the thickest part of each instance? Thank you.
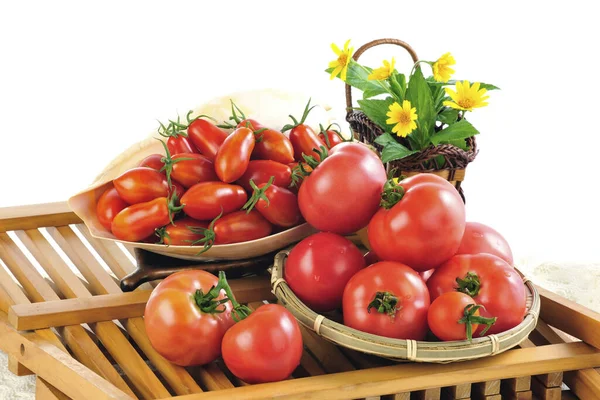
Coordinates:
(297, 123)
(162, 234)
(385, 302)
(392, 191)
(330, 129)
(168, 163)
(234, 117)
(469, 285)
(177, 128)
(470, 318)
(208, 304)
(209, 234)
(300, 172)
(258, 194)
(172, 208)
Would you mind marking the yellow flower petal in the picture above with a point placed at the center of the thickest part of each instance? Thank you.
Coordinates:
(336, 49)
(340, 65)
(335, 72)
(467, 96)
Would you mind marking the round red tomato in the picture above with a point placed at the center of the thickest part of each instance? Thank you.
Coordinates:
(343, 192)
(183, 232)
(331, 138)
(422, 229)
(139, 221)
(426, 274)
(278, 205)
(387, 299)
(205, 201)
(140, 184)
(191, 168)
(233, 156)
(455, 316)
(241, 226)
(179, 321)
(318, 268)
(491, 282)
(265, 346)
(108, 206)
(206, 136)
(260, 171)
(480, 238)
(154, 161)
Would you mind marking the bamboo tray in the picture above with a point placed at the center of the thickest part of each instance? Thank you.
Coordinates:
(64, 318)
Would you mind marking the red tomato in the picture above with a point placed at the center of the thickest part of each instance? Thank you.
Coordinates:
(343, 192)
(108, 206)
(153, 161)
(305, 141)
(318, 268)
(270, 144)
(233, 156)
(205, 201)
(491, 282)
(178, 320)
(264, 347)
(331, 138)
(480, 238)
(194, 170)
(426, 274)
(260, 171)
(139, 185)
(176, 188)
(424, 228)
(250, 123)
(183, 232)
(137, 222)
(207, 137)
(371, 258)
(241, 226)
(387, 299)
(180, 144)
(278, 205)
(455, 316)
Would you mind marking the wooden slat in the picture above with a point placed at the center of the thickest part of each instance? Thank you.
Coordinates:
(35, 216)
(56, 366)
(544, 393)
(483, 389)
(45, 391)
(114, 257)
(570, 317)
(457, 392)
(524, 395)
(411, 377)
(427, 394)
(519, 384)
(331, 358)
(101, 283)
(398, 396)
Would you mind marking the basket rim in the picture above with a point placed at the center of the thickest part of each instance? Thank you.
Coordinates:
(401, 349)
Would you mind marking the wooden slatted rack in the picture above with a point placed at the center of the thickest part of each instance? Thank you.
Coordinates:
(64, 318)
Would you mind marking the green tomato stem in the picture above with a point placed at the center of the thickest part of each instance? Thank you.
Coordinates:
(385, 302)
(470, 318)
(469, 285)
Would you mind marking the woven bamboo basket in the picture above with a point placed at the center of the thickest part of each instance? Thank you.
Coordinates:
(398, 349)
(365, 130)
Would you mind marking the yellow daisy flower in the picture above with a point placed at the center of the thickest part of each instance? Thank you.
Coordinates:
(383, 72)
(341, 64)
(466, 97)
(403, 116)
(441, 68)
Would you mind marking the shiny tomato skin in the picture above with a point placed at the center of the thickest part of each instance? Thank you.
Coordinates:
(108, 206)
(343, 192)
(139, 185)
(207, 137)
(282, 208)
(502, 292)
(480, 238)
(304, 140)
(180, 144)
(318, 268)
(179, 234)
(333, 138)
(177, 188)
(425, 228)
(206, 200)
(177, 328)
(273, 145)
(444, 314)
(426, 274)
(153, 161)
(260, 171)
(250, 123)
(241, 226)
(189, 172)
(138, 221)
(234, 154)
(410, 319)
(264, 347)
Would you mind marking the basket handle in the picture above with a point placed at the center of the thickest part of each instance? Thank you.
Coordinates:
(374, 43)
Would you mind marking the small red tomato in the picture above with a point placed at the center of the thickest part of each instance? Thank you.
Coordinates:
(179, 321)
(305, 141)
(455, 316)
(183, 232)
(108, 206)
(139, 221)
(176, 188)
(273, 145)
(180, 144)
(278, 205)
(480, 238)
(207, 137)
(260, 171)
(387, 299)
(139, 185)
(191, 168)
(205, 201)
(241, 226)
(265, 346)
(331, 138)
(233, 156)
(318, 268)
(153, 161)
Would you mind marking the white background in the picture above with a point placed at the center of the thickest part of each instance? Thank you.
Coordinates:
(81, 81)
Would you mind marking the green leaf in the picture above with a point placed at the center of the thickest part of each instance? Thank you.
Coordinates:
(398, 85)
(372, 93)
(459, 130)
(448, 116)
(460, 143)
(392, 150)
(376, 109)
(357, 76)
(420, 97)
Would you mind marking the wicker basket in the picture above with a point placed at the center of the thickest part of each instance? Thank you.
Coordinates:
(365, 130)
(397, 349)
